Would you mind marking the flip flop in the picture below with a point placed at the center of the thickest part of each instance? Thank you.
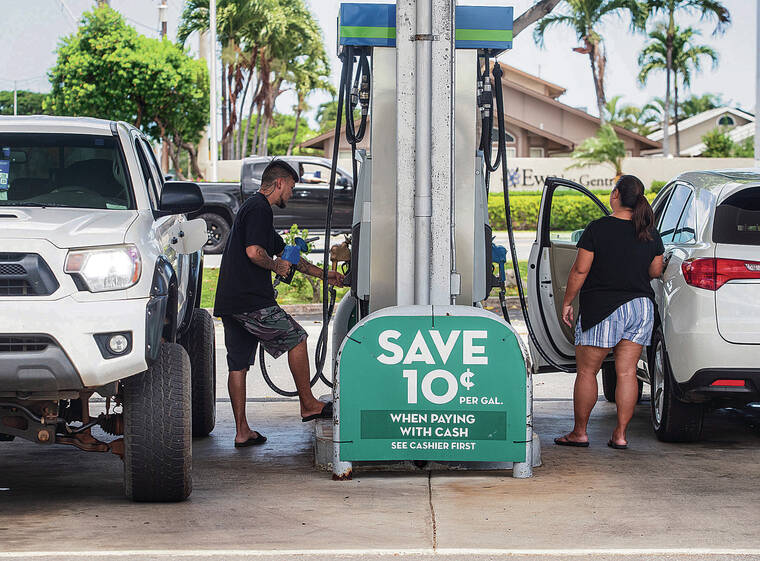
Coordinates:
(253, 441)
(326, 413)
(616, 446)
(568, 442)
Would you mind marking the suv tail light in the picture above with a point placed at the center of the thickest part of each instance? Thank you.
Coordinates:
(712, 273)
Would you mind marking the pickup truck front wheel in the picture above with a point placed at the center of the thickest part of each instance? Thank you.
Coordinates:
(218, 230)
(157, 429)
(200, 345)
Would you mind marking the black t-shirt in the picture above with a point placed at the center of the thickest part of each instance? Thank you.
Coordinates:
(620, 270)
(243, 286)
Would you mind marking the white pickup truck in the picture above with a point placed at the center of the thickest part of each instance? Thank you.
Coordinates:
(100, 281)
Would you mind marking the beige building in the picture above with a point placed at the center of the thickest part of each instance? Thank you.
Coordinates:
(739, 124)
(538, 125)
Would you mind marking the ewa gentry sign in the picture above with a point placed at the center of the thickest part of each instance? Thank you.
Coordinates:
(432, 383)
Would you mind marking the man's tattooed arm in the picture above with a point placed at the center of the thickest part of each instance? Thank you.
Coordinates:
(308, 268)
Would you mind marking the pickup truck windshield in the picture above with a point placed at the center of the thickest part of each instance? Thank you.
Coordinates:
(63, 170)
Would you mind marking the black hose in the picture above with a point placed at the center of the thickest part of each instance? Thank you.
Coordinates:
(497, 74)
(345, 80)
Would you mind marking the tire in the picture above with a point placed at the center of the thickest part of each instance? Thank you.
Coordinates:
(218, 230)
(157, 429)
(199, 342)
(609, 382)
(672, 420)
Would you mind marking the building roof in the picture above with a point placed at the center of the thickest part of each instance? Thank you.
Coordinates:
(619, 130)
(736, 134)
(701, 118)
(554, 90)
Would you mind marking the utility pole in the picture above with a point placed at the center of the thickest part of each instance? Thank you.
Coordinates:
(15, 98)
(164, 145)
(757, 86)
(212, 140)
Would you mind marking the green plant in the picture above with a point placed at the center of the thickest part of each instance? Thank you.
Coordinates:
(717, 144)
(604, 148)
(657, 186)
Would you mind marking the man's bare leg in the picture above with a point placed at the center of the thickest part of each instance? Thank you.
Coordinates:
(298, 360)
(236, 388)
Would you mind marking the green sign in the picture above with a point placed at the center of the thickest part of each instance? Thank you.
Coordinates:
(432, 383)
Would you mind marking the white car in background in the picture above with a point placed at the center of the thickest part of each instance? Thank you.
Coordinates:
(706, 352)
(705, 349)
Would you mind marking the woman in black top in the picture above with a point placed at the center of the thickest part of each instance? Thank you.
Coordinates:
(617, 257)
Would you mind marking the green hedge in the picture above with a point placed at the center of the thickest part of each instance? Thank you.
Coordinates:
(571, 212)
(657, 186)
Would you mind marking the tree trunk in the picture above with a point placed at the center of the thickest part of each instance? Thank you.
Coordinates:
(225, 153)
(192, 151)
(239, 131)
(174, 155)
(257, 132)
(668, 70)
(248, 123)
(264, 149)
(598, 80)
(675, 108)
(295, 129)
(532, 15)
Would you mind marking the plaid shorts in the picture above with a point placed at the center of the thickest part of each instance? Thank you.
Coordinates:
(632, 321)
(272, 327)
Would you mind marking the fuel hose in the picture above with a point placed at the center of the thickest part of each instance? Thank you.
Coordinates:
(502, 152)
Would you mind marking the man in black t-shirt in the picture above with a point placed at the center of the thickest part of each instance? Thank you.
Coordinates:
(245, 300)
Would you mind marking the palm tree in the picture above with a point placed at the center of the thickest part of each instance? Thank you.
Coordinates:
(696, 104)
(705, 9)
(604, 148)
(307, 76)
(628, 116)
(686, 57)
(585, 17)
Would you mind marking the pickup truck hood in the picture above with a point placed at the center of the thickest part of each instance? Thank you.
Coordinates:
(66, 227)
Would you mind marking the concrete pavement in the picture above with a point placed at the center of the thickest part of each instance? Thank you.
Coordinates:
(653, 501)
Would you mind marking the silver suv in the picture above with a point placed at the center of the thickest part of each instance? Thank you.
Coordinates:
(100, 279)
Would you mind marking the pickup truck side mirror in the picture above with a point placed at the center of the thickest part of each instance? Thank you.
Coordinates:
(180, 197)
(343, 182)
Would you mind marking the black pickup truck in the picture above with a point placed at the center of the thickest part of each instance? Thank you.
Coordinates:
(306, 207)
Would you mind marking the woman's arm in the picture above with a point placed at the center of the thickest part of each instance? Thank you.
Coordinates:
(575, 281)
(656, 267)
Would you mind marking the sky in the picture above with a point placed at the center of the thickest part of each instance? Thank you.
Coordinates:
(33, 28)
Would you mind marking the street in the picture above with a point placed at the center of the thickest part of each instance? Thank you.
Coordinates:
(653, 501)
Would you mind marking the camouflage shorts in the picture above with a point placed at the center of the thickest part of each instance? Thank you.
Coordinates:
(272, 327)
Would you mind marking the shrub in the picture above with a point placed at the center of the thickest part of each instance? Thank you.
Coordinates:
(657, 186)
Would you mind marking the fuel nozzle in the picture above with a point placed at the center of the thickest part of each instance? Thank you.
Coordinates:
(292, 254)
(499, 257)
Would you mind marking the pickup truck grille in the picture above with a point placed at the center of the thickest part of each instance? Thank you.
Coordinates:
(24, 343)
(25, 274)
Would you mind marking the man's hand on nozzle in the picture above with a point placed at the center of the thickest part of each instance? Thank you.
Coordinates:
(282, 267)
(334, 278)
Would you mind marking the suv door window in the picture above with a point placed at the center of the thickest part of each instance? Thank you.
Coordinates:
(737, 219)
(686, 231)
(673, 212)
(155, 169)
(147, 176)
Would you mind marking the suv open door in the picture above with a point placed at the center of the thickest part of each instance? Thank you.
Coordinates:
(551, 258)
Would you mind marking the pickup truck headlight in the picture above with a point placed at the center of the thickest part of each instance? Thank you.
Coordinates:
(105, 268)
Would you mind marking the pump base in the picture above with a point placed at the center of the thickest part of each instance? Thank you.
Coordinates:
(323, 456)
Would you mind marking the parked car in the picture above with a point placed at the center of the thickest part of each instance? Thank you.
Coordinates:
(100, 283)
(307, 206)
(705, 349)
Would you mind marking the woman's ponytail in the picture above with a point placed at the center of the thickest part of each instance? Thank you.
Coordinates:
(631, 191)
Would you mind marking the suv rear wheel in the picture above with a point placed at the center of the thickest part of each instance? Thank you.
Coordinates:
(673, 420)
(157, 429)
(200, 347)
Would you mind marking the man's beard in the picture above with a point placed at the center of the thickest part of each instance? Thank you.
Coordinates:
(282, 204)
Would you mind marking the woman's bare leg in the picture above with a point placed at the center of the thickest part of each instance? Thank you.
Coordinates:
(586, 391)
(627, 355)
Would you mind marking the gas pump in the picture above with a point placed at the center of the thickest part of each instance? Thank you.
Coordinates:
(421, 371)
